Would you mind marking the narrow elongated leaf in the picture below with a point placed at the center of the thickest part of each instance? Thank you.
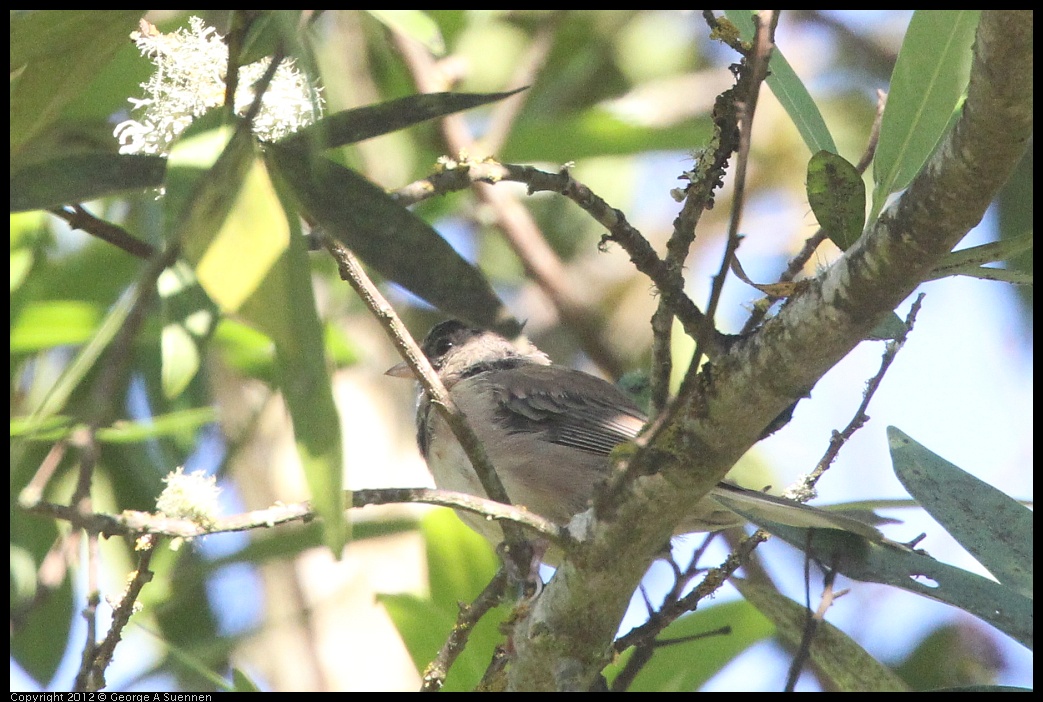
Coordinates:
(1003, 607)
(460, 564)
(81, 177)
(927, 85)
(350, 126)
(59, 52)
(301, 370)
(205, 171)
(394, 241)
(992, 526)
(250, 258)
(789, 90)
(49, 323)
(415, 24)
(73, 373)
(845, 665)
(685, 667)
(597, 131)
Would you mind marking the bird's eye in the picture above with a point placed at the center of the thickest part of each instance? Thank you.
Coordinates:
(440, 347)
(443, 346)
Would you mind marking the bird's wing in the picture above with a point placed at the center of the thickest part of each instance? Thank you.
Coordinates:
(568, 407)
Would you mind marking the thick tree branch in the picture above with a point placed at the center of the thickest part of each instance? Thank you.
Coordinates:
(565, 641)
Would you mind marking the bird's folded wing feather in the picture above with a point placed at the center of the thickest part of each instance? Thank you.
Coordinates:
(592, 415)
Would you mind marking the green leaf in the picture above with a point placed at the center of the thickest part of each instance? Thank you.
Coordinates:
(49, 323)
(73, 373)
(242, 682)
(422, 625)
(992, 526)
(597, 131)
(861, 559)
(890, 326)
(179, 423)
(971, 261)
(39, 628)
(189, 320)
(460, 564)
(59, 53)
(950, 657)
(80, 177)
(250, 258)
(927, 86)
(205, 171)
(388, 237)
(247, 350)
(284, 306)
(414, 24)
(268, 30)
(685, 667)
(790, 91)
(350, 126)
(209, 166)
(837, 196)
(843, 665)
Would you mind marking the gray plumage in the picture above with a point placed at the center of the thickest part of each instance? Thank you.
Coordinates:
(549, 430)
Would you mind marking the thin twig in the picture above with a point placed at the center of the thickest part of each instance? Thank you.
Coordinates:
(470, 614)
(811, 624)
(704, 179)
(132, 523)
(645, 643)
(750, 80)
(457, 175)
(796, 265)
(79, 218)
(352, 272)
(861, 416)
(713, 581)
(102, 655)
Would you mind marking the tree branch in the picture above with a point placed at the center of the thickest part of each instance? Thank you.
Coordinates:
(565, 641)
(133, 523)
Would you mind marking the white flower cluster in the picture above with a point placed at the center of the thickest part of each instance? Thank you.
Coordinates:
(189, 80)
(192, 496)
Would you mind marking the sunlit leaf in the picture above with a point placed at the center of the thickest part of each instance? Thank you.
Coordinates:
(460, 563)
(414, 24)
(790, 91)
(48, 323)
(927, 85)
(58, 53)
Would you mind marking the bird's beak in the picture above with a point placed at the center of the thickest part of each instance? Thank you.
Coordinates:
(400, 370)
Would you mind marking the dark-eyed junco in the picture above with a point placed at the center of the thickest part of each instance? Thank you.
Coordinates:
(548, 431)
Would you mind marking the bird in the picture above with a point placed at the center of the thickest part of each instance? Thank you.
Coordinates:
(549, 430)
